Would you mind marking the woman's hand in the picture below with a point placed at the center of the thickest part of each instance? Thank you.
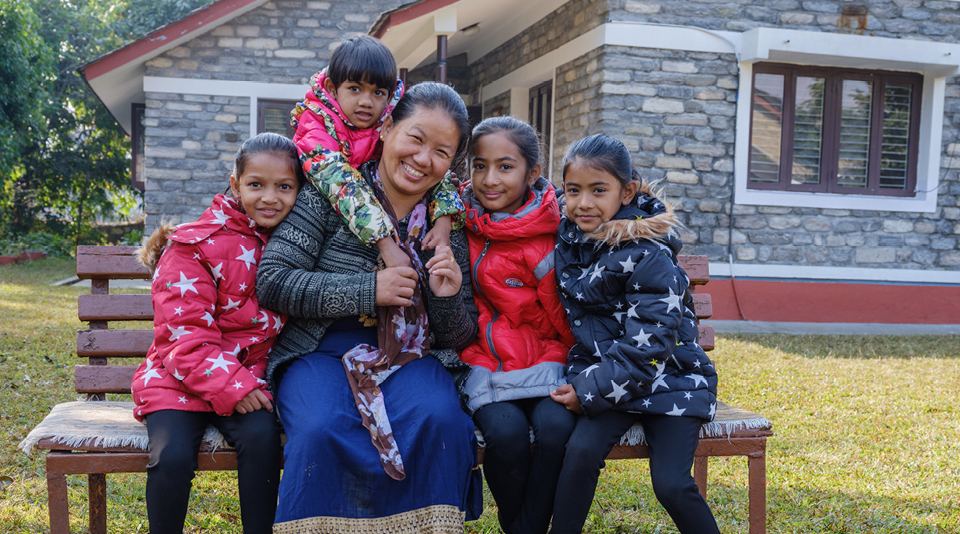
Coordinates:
(567, 396)
(255, 400)
(395, 286)
(445, 274)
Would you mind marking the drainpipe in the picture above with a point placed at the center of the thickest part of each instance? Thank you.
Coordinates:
(442, 58)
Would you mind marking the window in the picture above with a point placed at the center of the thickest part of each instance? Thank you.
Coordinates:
(274, 116)
(831, 130)
(541, 103)
(138, 166)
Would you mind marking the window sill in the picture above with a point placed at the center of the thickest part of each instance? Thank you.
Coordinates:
(922, 203)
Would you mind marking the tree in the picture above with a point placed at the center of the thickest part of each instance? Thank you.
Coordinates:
(75, 169)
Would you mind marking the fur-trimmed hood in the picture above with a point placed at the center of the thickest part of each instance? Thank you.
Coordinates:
(646, 217)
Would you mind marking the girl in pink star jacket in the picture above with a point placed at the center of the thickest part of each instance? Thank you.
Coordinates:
(212, 338)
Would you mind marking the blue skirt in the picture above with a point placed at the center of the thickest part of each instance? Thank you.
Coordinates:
(333, 481)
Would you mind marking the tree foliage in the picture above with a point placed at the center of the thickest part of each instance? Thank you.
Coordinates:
(64, 162)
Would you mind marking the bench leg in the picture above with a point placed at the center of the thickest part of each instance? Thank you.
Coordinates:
(57, 503)
(97, 495)
(700, 474)
(757, 466)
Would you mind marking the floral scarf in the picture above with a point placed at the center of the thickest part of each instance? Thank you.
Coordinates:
(402, 338)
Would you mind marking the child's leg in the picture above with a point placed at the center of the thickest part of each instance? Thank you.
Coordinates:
(672, 442)
(506, 456)
(552, 425)
(256, 436)
(591, 441)
(174, 443)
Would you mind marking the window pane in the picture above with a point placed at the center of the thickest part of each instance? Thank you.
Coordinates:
(856, 104)
(896, 135)
(767, 128)
(276, 120)
(807, 131)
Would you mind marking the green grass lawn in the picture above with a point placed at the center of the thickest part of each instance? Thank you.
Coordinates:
(867, 431)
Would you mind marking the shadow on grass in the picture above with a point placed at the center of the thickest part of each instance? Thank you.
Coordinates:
(856, 347)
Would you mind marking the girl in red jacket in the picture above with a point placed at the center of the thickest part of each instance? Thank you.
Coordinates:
(519, 355)
(211, 340)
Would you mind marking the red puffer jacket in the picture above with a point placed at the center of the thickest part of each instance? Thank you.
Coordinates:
(521, 349)
(211, 337)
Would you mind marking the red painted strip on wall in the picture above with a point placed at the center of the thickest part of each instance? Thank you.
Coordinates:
(161, 37)
(835, 302)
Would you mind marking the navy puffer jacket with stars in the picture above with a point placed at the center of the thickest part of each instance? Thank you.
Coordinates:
(632, 316)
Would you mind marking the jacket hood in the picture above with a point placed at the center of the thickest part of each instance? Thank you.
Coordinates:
(646, 217)
(539, 215)
(321, 102)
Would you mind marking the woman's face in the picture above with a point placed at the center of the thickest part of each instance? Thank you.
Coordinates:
(417, 152)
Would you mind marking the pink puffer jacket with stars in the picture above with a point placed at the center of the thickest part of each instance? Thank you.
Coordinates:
(211, 337)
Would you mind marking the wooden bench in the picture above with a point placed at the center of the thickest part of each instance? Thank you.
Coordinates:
(97, 377)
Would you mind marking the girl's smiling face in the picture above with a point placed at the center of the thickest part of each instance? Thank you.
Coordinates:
(499, 176)
(267, 188)
(593, 196)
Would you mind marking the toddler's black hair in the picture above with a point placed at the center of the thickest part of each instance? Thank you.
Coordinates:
(603, 153)
(520, 134)
(362, 58)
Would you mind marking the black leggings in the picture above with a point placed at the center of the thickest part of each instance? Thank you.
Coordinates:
(671, 441)
(523, 481)
(174, 444)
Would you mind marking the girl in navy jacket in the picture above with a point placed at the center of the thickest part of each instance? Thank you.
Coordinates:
(636, 357)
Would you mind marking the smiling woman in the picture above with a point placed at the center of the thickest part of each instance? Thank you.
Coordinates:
(392, 394)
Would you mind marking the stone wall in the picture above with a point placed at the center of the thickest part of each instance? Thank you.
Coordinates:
(501, 101)
(577, 104)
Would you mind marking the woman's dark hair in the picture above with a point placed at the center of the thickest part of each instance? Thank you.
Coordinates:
(603, 153)
(266, 143)
(520, 134)
(363, 59)
(434, 95)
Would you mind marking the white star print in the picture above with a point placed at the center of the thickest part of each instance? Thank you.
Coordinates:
(231, 305)
(261, 381)
(584, 273)
(642, 339)
(696, 364)
(243, 286)
(563, 284)
(617, 393)
(265, 319)
(632, 312)
(220, 363)
(688, 395)
(646, 403)
(618, 316)
(208, 318)
(186, 284)
(182, 400)
(248, 256)
(618, 305)
(673, 301)
(150, 373)
(628, 265)
(676, 411)
(176, 333)
(636, 287)
(196, 256)
(178, 310)
(579, 296)
(277, 323)
(254, 339)
(588, 397)
(237, 384)
(157, 272)
(220, 216)
(697, 379)
(177, 375)
(588, 370)
(713, 410)
(657, 383)
(210, 241)
(598, 354)
(215, 271)
(597, 272)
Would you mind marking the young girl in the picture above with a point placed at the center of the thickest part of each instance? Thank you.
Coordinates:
(520, 352)
(338, 129)
(212, 338)
(636, 357)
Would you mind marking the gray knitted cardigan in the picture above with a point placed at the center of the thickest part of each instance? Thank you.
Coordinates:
(314, 270)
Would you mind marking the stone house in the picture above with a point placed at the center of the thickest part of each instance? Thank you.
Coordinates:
(811, 147)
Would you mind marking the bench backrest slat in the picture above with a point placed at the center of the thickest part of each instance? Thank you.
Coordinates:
(114, 343)
(697, 268)
(109, 263)
(114, 308)
(103, 378)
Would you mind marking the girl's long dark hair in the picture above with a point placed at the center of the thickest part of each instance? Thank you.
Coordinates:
(603, 153)
(520, 134)
(268, 143)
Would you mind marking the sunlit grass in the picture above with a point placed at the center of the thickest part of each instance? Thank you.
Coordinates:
(867, 432)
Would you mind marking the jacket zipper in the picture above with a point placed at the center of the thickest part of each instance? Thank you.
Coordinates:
(496, 314)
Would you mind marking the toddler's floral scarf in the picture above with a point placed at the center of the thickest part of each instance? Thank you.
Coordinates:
(402, 338)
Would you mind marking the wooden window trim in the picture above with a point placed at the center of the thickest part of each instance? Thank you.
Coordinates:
(264, 104)
(829, 159)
